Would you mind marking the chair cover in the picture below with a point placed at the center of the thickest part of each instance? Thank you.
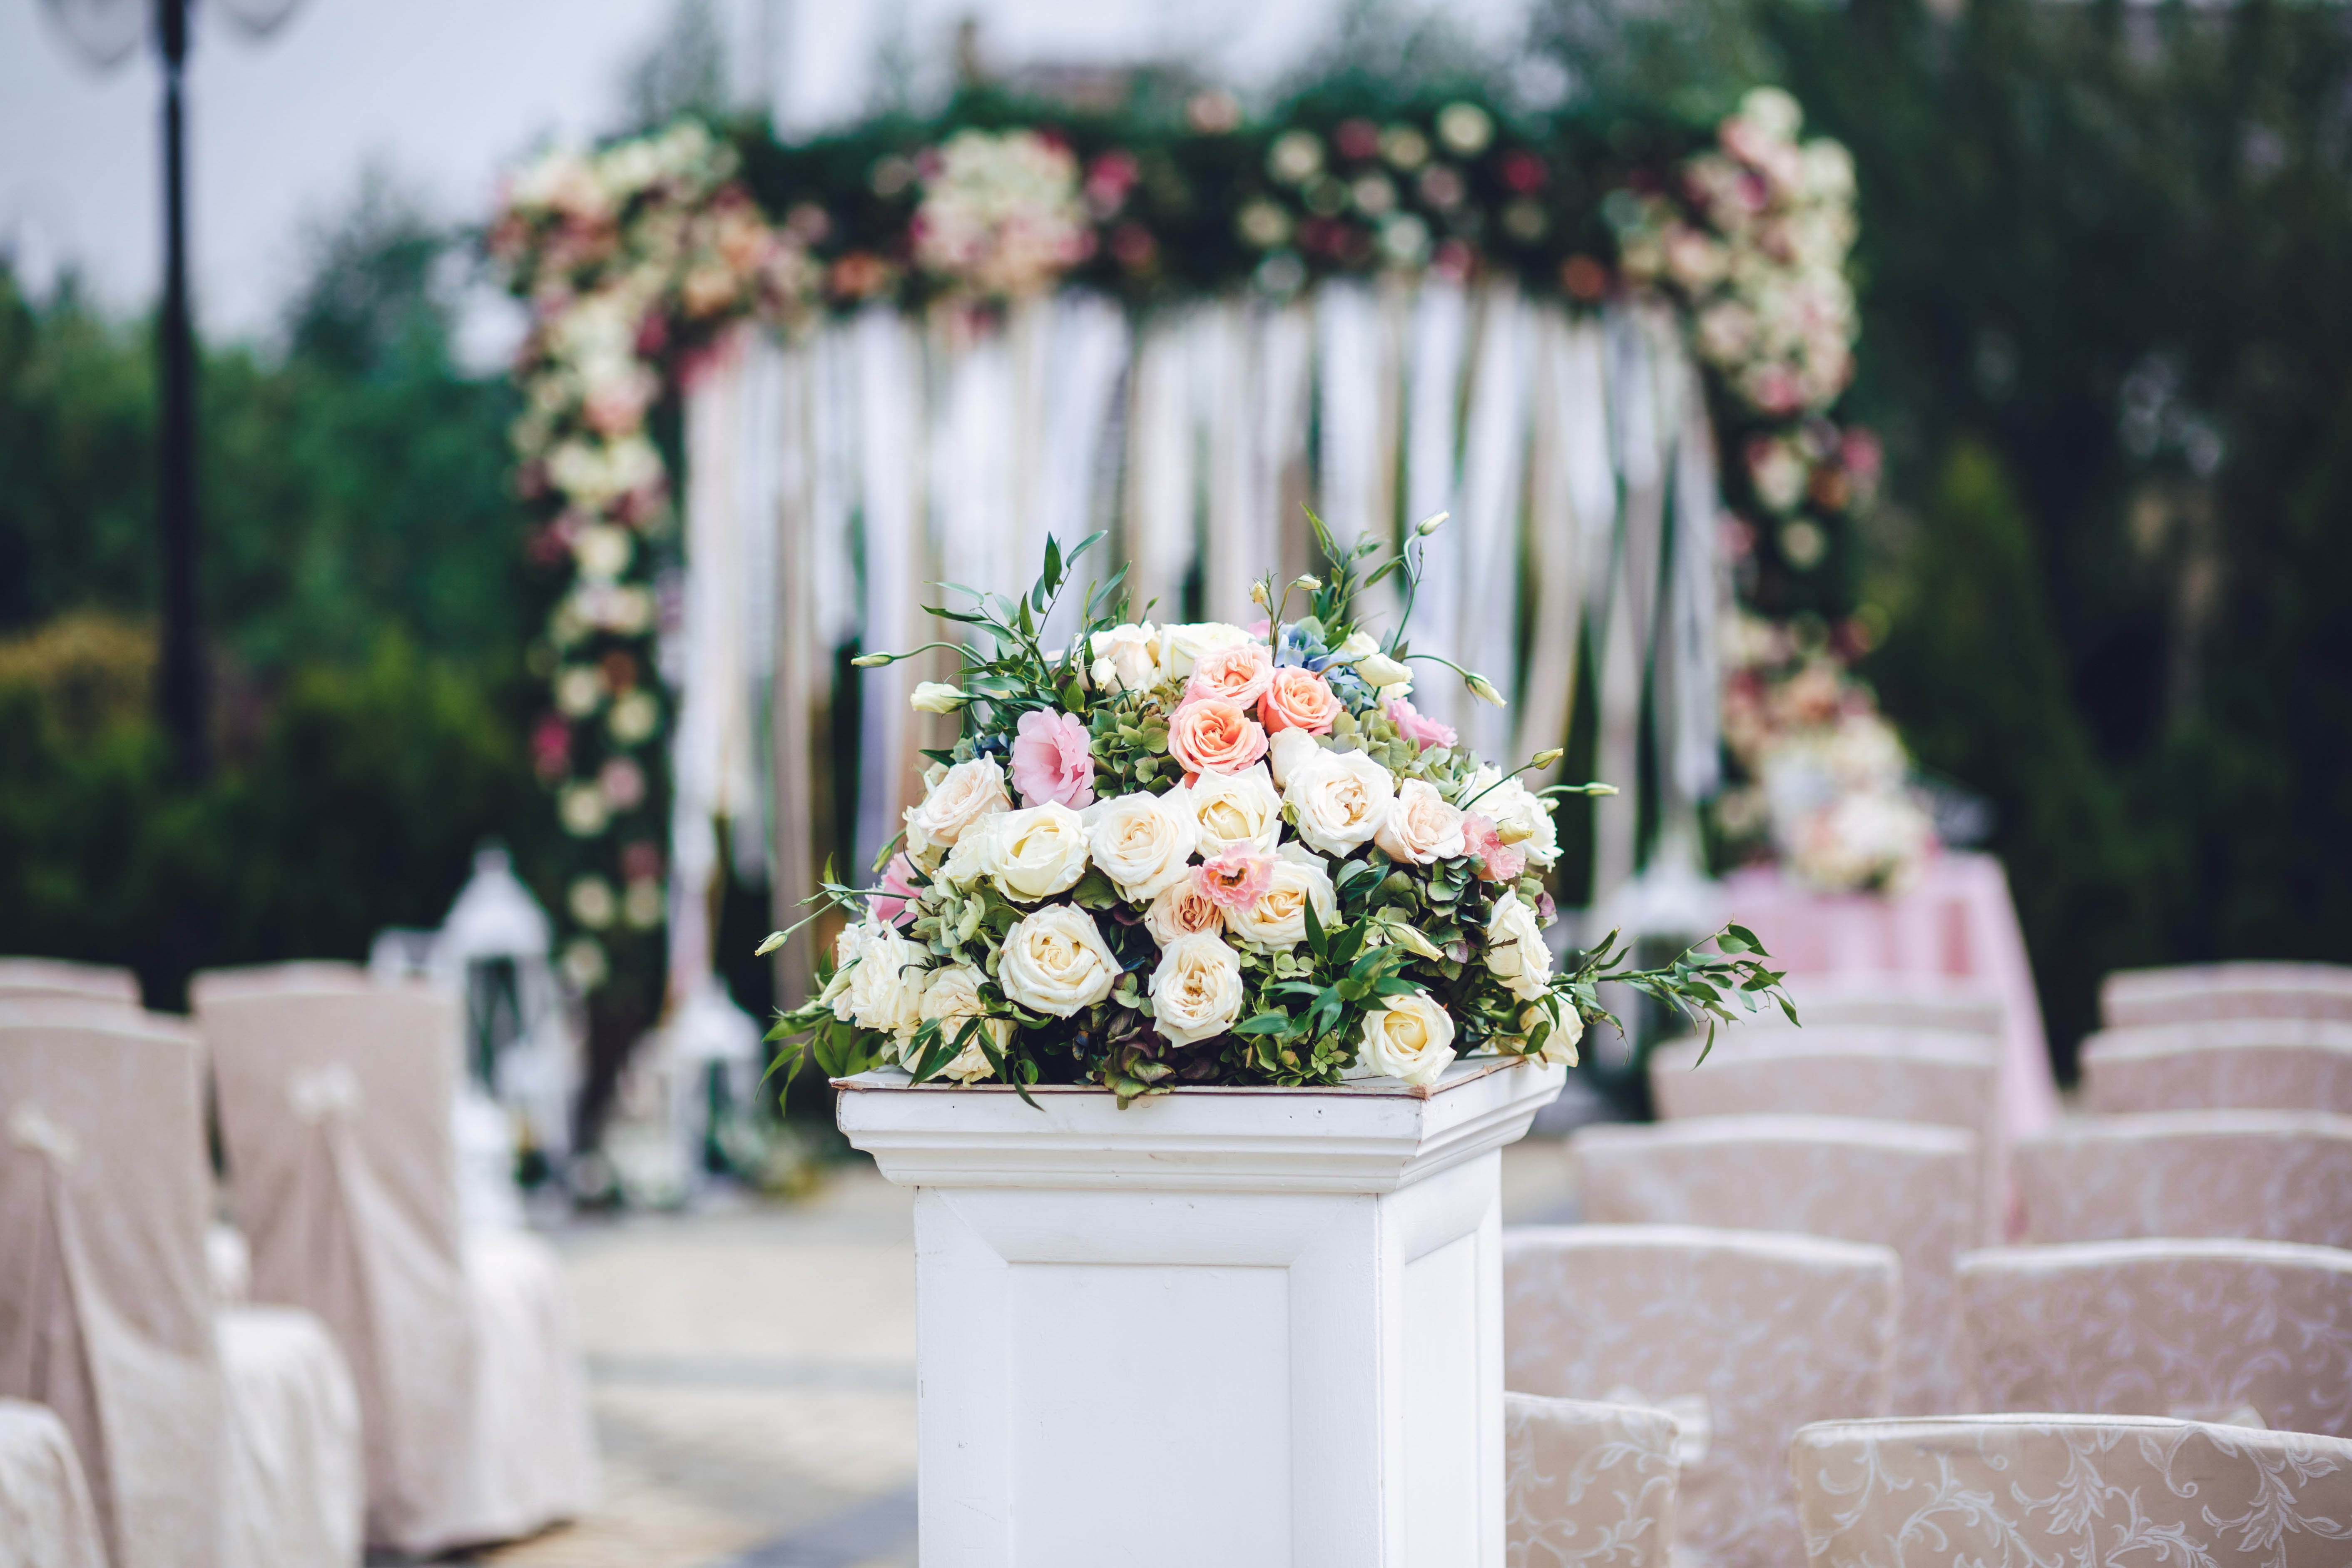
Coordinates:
(2071, 1491)
(2203, 1331)
(27, 978)
(46, 1518)
(1590, 1483)
(104, 1185)
(2207, 993)
(1887, 1002)
(2271, 1175)
(1941, 1079)
(1901, 1184)
(1769, 1332)
(335, 1095)
(2249, 1064)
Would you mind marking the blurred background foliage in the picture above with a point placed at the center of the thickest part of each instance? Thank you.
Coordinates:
(2106, 340)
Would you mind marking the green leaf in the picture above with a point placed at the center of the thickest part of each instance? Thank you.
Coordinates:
(1264, 1023)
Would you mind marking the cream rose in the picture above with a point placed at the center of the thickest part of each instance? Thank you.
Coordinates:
(1235, 809)
(1567, 1032)
(1180, 645)
(1196, 991)
(1127, 658)
(1143, 842)
(1285, 751)
(951, 996)
(968, 862)
(886, 988)
(958, 797)
(1180, 911)
(1338, 799)
(1517, 953)
(1036, 852)
(1522, 818)
(1279, 917)
(1421, 827)
(1411, 1038)
(1056, 962)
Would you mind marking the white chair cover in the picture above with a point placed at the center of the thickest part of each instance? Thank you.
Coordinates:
(104, 1185)
(2070, 1491)
(335, 1095)
(2248, 1064)
(1764, 1332)
(2206, 993)
(2271, 1175)
(1902, 1184)
(46, 1518)
(25, 979)
(1942, 1078)
(1834, 1001)
(1589, 1483)
(2201, 1331)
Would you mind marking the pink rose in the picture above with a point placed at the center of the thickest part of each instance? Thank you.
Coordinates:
(890, 905)
(1298, 700)
(1497, 861)
(1419, 728)
(1239, 673)
(1235, 879)
(1050, 760)
(1210, 735)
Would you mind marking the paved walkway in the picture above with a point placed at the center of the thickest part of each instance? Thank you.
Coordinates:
(753, 1369)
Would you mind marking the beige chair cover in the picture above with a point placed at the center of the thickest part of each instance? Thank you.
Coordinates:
(2202, 1331)
(2205, 993)
(1868, 1001)
(25, 979)
(1762, 1332)
(335, 1096)
(2271, 1175)
(46, 1518)
(1902, 1184)
(173, 1409)
(1589, 1483)
(2249, 1064)
(2071, 1491)
(1939, 1078)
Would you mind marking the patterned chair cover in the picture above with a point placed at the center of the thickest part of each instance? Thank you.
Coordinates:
(2071, 1491)
(26, 979)
(1938, 1078)
(2202, 1331)
(2245, 1064)
(1590, 1483)
(2209, 993)
(206, 1435)
(1760, 1332)
(1902, 1184)
(335, 1095)
(2269, 1175)
(46, 1518)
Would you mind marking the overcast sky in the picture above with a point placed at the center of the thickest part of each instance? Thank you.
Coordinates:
(445, 93)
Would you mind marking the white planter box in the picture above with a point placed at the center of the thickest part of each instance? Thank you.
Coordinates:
(1219, 1329)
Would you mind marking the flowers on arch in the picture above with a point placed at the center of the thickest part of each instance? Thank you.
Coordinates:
(1000, 217)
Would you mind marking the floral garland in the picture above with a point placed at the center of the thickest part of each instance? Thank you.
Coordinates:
(1240, 855)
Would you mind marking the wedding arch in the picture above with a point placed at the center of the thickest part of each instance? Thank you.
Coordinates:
(770, 390)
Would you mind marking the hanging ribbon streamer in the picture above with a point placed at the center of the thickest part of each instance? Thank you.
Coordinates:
(1162, 535)
(890, 413)
(1555, 536)
(1082, 376)
(1439, 333)
(1484, 594)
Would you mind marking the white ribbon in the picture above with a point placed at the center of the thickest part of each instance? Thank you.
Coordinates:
(29, 1127)
(322, 1092)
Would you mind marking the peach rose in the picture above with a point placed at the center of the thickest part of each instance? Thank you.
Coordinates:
(1240, 673)
(1298, 700)
(1210, 735)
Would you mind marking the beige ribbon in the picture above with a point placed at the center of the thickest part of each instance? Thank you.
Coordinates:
(322, 1092)
(31, 1128)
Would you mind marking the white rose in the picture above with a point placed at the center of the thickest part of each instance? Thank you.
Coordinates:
(1422, 828)
(1236, 809)
(1559, 1045)
(1143, 842)
(951, 995)
(1517, 953)
(1181, 909)
(959, 796)
(1127, 658)
(1180, 645)
(1522, 818)
(1056, 962)
(886, 988)
(1279, 917)
(1285, 751)
(1338, 799)
(936, 697)
(1036, 853)
(1196, 991)
(968, 862)
(1411, 1038)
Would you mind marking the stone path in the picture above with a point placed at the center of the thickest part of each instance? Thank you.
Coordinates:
(753, 1369)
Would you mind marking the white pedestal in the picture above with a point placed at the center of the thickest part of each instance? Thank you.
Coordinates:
(1235, 1327)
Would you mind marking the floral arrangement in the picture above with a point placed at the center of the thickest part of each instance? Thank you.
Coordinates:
(1000, 217)
(1189, 854)
(1826, 788)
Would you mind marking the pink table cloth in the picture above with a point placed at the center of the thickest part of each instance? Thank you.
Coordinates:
(1957, 924)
